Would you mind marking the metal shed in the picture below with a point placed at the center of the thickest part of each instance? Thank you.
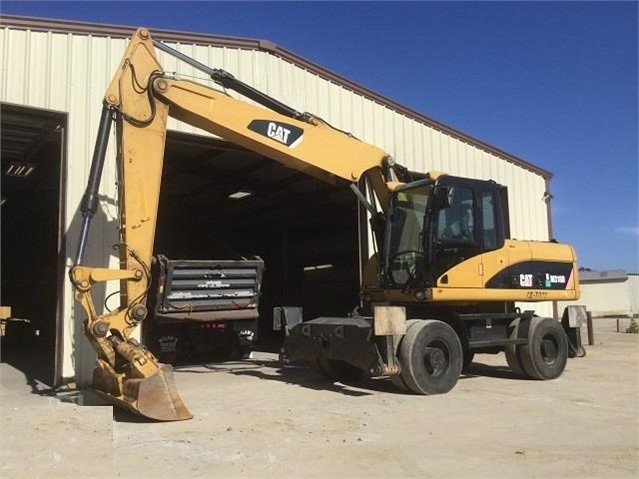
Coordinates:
(608, 294)
(52, 79)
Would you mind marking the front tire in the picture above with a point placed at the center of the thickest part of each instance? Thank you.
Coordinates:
(431, 356)
(398, 380)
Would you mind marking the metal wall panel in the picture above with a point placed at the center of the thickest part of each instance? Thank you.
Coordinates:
(69, 72)
(606, 298)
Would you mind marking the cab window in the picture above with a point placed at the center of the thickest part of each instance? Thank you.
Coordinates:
(456, 222)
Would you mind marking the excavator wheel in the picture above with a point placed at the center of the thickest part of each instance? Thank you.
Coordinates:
(399, 383)
(397, 380)
(546, 354)
(431, 357)
(512, 352)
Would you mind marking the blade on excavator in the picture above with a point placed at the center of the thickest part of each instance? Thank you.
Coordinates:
(155, 397)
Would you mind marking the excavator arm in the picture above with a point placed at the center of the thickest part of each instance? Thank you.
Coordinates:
(139, 100)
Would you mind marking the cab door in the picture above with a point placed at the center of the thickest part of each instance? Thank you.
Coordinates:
(456, 241)
(497, 251)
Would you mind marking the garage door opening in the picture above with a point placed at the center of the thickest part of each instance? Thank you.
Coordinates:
(32, 256)
(219, 201)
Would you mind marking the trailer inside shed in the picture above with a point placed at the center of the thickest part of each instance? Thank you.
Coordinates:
(220, 201)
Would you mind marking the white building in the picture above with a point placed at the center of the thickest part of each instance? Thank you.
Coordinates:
(609, 294)
(52, 80)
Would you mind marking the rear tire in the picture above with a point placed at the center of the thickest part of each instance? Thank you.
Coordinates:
(512, 352)
(431, 356)
(546, 354)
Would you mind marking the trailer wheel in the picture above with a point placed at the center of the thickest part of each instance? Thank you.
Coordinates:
(235, 351)
(431, 357)
(337, 370)
(512, 352)
(546, 354)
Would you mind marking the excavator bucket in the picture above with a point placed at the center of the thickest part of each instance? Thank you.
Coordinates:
(158, 398)
(155, 397)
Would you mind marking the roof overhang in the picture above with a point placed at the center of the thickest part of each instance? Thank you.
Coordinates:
(119, 31)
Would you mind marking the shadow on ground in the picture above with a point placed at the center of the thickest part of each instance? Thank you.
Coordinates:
(305, 376)
(475, 370)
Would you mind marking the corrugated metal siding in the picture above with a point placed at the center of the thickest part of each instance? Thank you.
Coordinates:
(69, 72)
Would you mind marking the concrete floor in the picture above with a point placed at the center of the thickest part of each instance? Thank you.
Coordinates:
(257, 419)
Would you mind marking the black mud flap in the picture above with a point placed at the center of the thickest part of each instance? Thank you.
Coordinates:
(345, 339)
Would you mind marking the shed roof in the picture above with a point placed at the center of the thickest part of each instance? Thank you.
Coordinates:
(119, 31)
(610, 276)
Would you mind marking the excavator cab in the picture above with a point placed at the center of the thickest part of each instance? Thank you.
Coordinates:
(438, 223)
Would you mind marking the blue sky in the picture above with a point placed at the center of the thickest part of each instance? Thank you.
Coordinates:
(554, 83)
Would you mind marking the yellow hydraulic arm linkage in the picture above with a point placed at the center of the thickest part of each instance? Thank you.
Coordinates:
(139, 101)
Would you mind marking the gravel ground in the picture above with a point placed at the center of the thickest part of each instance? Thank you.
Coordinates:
(258, 419)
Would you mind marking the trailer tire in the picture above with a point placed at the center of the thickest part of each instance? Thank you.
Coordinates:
(337, 370)
(546, 354)
(431, 356)
(236, 351)
(512, 351)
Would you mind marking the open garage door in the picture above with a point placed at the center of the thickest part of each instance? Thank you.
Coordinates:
(219, 201)
(32, 257)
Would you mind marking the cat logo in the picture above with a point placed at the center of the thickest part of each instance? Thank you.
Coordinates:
(289, 135)
(526, 280)
(278, 132)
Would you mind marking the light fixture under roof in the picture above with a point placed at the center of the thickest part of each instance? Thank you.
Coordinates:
(241, 194)
(318, 267)
(19, 170)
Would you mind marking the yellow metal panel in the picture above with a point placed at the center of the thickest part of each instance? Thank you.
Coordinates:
(518, 251)
(467, 274)
(550, 251)
(482, 294)
(493, 262)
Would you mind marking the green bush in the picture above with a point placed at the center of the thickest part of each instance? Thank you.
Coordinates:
(633, 328)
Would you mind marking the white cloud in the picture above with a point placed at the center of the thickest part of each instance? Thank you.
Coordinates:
(630, 230)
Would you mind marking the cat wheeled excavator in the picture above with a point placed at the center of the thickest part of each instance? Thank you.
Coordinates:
(440, 288)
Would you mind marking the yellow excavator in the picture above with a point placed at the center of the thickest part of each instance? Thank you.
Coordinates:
(440, 288)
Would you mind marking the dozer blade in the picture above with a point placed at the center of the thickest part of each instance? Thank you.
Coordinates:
(154, 397)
